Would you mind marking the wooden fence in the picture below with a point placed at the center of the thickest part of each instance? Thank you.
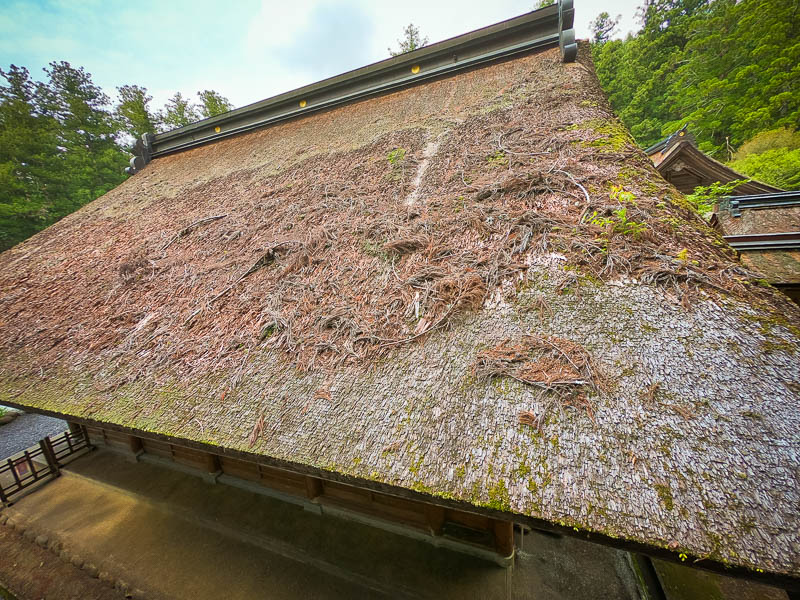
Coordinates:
(39, 462)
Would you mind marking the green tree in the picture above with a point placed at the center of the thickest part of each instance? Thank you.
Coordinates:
(779, 167)
(28, 147)
(740, 73)
(704, 197)
(58, 148)
(769, 140)
(133, 113)
(772, 157)
(729, 68)
(212, 104)
(178, 112)
(603, 27)
(91, 161)
(410, 42)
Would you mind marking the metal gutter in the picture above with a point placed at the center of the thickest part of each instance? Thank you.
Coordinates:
(765, 241)
(549, 26)
(735, 204)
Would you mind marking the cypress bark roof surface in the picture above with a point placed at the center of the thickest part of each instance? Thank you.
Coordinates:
(477, 288)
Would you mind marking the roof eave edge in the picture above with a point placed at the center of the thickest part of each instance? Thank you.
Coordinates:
(541, 28)
(777, 579)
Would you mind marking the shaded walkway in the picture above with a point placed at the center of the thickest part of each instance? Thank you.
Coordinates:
(162, 533)
(173, 535)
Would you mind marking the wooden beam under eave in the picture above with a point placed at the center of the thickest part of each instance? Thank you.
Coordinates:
(503, 537)
(313, 487)
(434, 516)
(135, 444)
(212, 463)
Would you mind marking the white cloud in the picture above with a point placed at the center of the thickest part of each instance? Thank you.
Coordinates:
(276, 24)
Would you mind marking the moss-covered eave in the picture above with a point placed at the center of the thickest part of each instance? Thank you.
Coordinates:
(460, 500)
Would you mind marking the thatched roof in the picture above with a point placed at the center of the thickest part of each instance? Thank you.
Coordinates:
(477, 289)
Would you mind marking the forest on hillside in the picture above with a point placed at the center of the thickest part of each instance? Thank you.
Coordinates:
(63, 142)
(729, 69)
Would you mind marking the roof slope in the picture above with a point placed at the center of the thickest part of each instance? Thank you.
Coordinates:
(477, 288)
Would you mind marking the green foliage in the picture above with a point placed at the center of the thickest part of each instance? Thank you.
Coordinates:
(178, 112)
(58, 148)
(772, 157)
(603, 27)
(727, 67)
(410, 42)
(705, 196)
(133, 113)
(27, 143)
(543, 4)
(396, 156)
(61, 145)
(779, 167)
(213, 103)
(619, 223)
(619, 194)
(769, 140)
(497, 159)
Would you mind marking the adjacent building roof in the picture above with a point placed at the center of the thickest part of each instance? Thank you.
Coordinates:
(684, 165)
(765, 229)
(476, 290)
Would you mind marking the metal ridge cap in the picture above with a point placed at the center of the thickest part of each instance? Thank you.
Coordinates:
(363, 93)
(656, 147)
(549, 25)
(789, 240)
(446, 46)
(747, 237)
(768, 245)
(736, 204)
(769, 196)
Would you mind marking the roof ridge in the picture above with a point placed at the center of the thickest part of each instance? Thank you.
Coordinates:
(541, 28)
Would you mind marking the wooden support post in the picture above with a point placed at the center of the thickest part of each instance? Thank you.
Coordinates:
(503, 537)
(212, 463)
(434, 516)
(75, 428)
(313, 487)
(3, 497)
(50, 456)
(135, 444)
(213, 467)
(85, 431)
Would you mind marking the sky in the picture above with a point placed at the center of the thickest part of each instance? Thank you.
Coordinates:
(247, 50)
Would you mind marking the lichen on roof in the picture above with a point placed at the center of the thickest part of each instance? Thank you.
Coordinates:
(376, 286)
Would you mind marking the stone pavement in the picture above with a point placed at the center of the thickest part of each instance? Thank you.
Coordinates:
(166, 534)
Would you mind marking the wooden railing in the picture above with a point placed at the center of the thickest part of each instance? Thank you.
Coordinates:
(39, 462)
